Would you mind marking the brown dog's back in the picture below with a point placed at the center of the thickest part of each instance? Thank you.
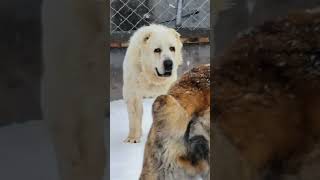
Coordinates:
(167, 153)
(266, 90)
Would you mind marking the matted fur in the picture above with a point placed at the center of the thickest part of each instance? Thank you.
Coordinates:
(166, 152)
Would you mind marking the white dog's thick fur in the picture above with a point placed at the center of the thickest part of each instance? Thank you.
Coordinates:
(140, 66)
(74, 84)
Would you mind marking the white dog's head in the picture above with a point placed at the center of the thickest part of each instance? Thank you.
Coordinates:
(160, 51)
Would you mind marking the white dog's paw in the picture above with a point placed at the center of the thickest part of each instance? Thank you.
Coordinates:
(134, 136)
(132, 139)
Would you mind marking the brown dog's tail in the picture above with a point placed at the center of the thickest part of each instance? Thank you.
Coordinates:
(179, 135)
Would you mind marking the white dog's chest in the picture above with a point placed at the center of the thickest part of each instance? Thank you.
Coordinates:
(151, 90)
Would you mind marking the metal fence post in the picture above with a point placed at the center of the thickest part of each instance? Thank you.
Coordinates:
(179, 13)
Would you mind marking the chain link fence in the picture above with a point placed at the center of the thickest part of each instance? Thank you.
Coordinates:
(190, 17)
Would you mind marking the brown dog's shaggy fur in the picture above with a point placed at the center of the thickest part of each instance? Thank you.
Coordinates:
(174, 149)
(267, 91)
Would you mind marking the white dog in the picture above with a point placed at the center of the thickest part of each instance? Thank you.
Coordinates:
(149, 69)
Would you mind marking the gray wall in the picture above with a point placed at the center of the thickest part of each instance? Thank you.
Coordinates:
(192, 54)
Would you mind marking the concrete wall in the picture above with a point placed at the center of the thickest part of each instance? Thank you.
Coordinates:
(193, 55)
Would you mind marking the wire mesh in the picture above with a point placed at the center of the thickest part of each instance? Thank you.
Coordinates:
(129, 15)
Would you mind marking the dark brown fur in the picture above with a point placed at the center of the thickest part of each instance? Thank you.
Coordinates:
(267, 90)
(189, 97)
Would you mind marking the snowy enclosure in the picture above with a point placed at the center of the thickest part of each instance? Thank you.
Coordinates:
(125, 158)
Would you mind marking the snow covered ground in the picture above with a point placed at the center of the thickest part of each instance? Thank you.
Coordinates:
(126, 159)
(26, 152)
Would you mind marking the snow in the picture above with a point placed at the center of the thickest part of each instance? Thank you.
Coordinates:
(126, 159)
(26, 152)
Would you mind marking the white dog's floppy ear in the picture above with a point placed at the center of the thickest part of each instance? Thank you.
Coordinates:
(177, 36)
(146, 37)
(175, 33)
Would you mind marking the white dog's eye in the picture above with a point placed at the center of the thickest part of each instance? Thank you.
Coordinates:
(172, 48)
(157, 50)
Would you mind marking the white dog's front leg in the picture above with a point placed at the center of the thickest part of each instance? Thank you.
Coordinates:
(135, 111)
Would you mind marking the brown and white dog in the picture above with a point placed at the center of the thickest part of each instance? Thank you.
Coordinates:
(266, 96)
(178, 141)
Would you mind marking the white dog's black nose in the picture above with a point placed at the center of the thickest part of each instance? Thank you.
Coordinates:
(167, 64)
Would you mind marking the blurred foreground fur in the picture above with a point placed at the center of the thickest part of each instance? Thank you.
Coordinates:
(266, 95)
(178, 141)
(74, 85)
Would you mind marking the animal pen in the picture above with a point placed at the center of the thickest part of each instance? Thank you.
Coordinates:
(190, 18)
